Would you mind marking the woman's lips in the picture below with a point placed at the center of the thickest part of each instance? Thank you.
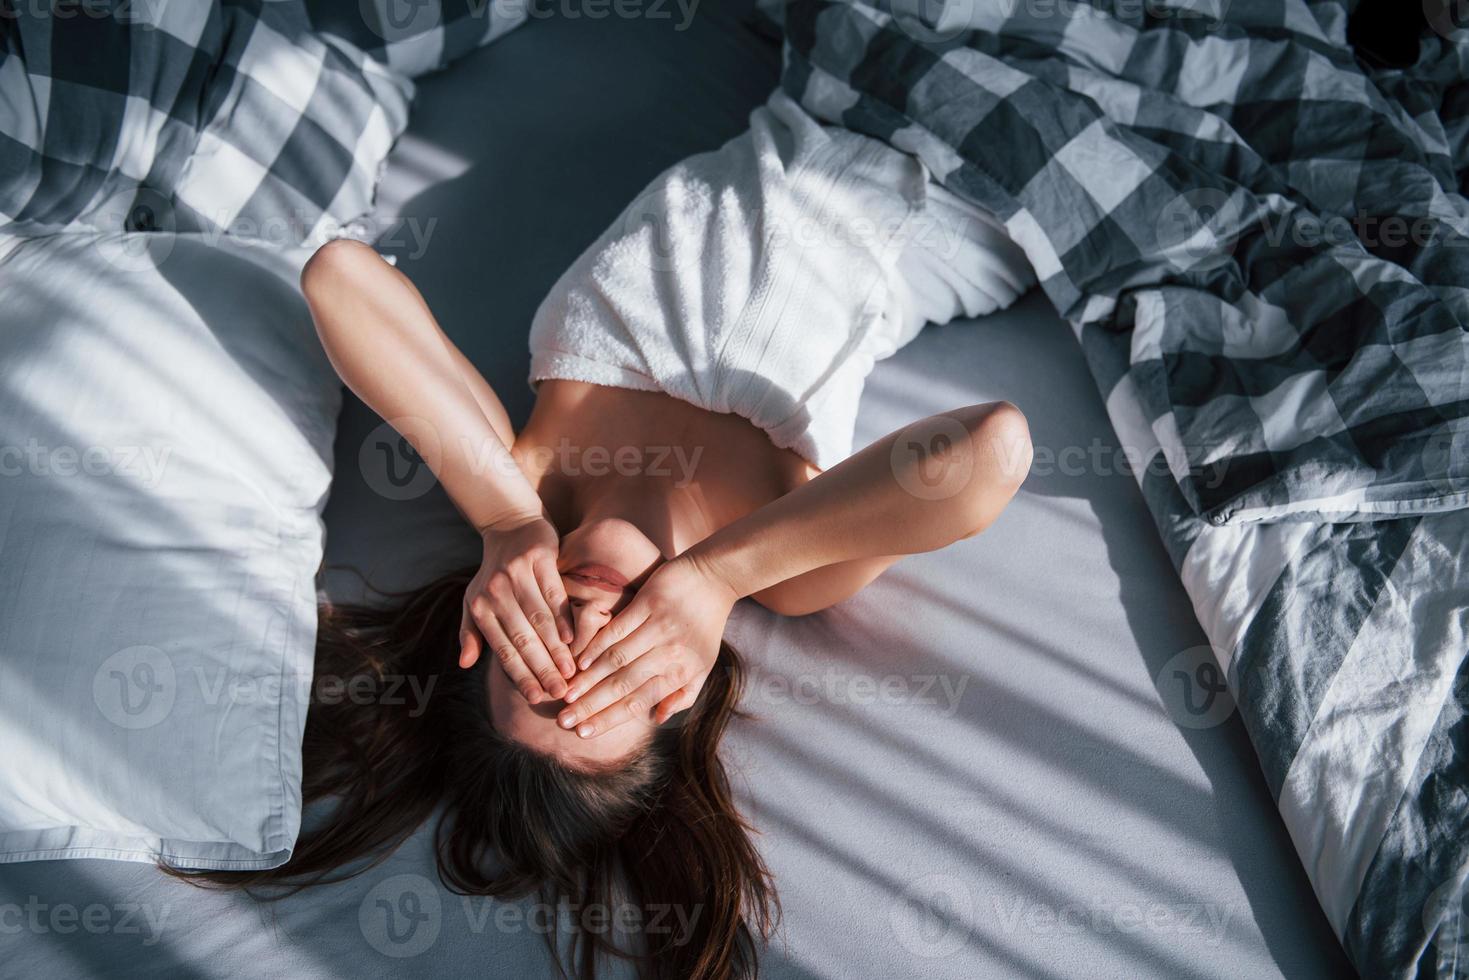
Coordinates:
(598, 577)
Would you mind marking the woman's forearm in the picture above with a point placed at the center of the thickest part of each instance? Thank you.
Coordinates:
(385, 345)
(919, 489)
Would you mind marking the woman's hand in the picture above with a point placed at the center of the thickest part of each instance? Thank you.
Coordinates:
(655, 654)
(518, 606)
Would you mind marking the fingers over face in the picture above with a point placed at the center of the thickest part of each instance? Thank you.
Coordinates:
(616, 658)
(554, 592)
(681, 700)
(531, 599)
(588, 621)
(638, 704)
(631, 692)
(526, 641)
(621, 626)
(505, 652)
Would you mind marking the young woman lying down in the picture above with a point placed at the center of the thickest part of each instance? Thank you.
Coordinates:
(731, 316)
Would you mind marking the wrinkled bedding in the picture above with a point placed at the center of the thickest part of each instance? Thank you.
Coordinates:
(266, 121)
(1270, 236)
(1259, 242)
(161, 165)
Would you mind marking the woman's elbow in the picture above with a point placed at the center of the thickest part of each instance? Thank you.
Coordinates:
(1002, 438)
(1002, 453)
(337, 265)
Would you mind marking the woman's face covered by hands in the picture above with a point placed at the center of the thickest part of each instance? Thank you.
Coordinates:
(601, 564)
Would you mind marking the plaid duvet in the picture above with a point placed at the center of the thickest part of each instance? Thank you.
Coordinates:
(1261, 245)
(1278, 233)
(235, 116)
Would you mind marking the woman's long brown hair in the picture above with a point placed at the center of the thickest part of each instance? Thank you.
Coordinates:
(659, 831)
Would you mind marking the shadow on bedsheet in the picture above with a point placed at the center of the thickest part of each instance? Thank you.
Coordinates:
(1064, 410)
(121, 920)
(91, 919)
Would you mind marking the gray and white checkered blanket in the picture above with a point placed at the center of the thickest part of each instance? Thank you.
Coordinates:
(1278, 233)
(1263, 247)
(214, 116)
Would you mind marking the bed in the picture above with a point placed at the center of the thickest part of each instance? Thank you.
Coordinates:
(979, 767)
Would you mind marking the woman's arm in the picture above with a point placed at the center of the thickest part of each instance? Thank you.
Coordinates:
(935, 482)
(384, 342)
(387, 347)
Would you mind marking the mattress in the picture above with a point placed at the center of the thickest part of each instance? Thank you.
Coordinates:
(967, 770)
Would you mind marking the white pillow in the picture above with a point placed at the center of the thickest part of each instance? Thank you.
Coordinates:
(166, 423)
